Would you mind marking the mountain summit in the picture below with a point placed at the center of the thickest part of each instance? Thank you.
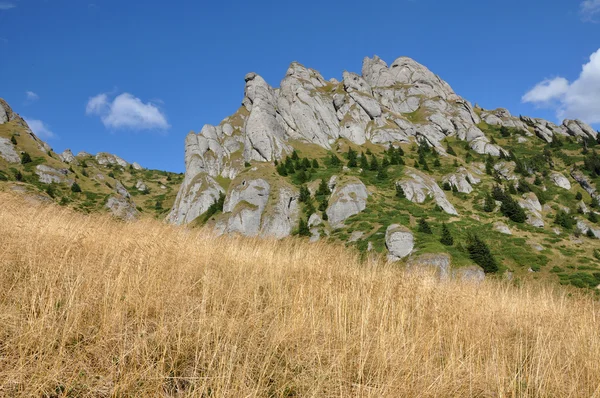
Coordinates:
(372, 159)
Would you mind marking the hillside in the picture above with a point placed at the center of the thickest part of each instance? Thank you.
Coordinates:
(93, 307)
(104, 182)
(387, 161)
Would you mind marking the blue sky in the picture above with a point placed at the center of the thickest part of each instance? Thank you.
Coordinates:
(156, 70)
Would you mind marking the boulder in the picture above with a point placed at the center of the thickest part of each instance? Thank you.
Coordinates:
(67, 156)
(438, 263)
(7, 150)
(585, 183)
(244, 207)
(141, 186)
(399, 242)
(560, 180)
(584, 227)
(136, 166)
(104, 158)
(502, 228)
(347, 199)
(122, 207)
(472, 273)
(48, 175)
(461, 179)
(418, 186)
(194, 198)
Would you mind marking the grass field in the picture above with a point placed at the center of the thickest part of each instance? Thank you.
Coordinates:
(94, 307)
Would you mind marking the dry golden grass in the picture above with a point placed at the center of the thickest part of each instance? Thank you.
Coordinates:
(94, 307)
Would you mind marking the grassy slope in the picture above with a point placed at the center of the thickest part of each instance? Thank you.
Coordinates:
(95, 307)
(98, 185)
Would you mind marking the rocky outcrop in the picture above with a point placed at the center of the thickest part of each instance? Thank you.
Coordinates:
(141, 186)
(194, 198)
(585, 183)
(283, 216)
(461, 180)
(438, 263)
(48, 175)
(418, 186)
(67, 156)
(471, 273)
(348, 198)
(244, 207)
(399, 242)
(502, 228)
(584, 227)
(104, 158)
(122, 207)
(6, 113)
(7, 150)
(560, 180)
(136, 166)
(530, 203)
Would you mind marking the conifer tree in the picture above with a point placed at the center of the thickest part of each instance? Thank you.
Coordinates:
(400, 191)
(424, 226)
(480, 253)
(352, 158)
(489, 204)
(446, 238)
(364, 163)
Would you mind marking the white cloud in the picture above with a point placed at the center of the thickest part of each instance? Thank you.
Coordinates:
(6, 5)
(547, 90)
(126, 111)
(31, 96)
(579, 99)
(39, 128)
(589, 9)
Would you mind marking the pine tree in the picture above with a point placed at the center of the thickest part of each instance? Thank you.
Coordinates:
(447, 186)
(302, 177)
(511, 209)
(25, 158)
(382, 174)
(334, 160)
(295, 155)
(489, 165)
(504, 131)
(352, 158)
(593, 217)
(436, 163)
(315, 164)
(400, 191)
(304, 194)
(564, 219)
(578, 196)
(450, 150)
(323, 204)
(323, 189)
(364, 163)
(480, 253)
(489, 204)
(374, 166)
(424, 226)
(13, 139)
(306, 163)
(281, 170)
(303, 229)
(75, 188)
(446, 238)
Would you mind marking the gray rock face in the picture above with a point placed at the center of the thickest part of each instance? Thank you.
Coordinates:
(283, 216)
(200, 192)
(7, 150)
(418, 186)
(560, 180)
(67, 156)
(136, 166)
(461, 180)
(585, 183)
(577, 128)
(48, 175)
(6, 113)
(502, 228)
(399, 241)
(473, 274)
(244, 207)
(438, 263)
(104, 158)
(141, 186)
(533, 209)
(122, 207)
(347, 199)
(584, 227)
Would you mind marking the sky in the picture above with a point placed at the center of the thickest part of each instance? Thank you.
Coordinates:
(133, 78)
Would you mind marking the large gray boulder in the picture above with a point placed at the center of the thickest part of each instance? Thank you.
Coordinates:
(122, 207)
(418, 186)
(67, 156)
(584, 227)
(48, 175)
(244, 207)
(560, 180)
(533, 208)
(585, 183)
(104, 158)
(461, 179)
(399, 241)
(438, 263)
(347, 199)
(8, 152)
